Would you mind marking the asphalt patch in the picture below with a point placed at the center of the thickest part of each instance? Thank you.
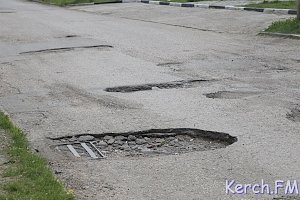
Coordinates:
(151, 86)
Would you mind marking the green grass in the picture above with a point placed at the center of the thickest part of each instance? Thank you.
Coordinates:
(274, 4)
(67, 2)
(291, 26)
(28, 176)
(181, 1)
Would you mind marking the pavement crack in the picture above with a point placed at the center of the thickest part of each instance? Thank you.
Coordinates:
(66, 49)
(175, 25)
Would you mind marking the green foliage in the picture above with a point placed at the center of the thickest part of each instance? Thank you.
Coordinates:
(291, 26)
(274, 4)
(30, 177)
(67, 2)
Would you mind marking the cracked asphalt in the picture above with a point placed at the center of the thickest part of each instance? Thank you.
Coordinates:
(52, 92)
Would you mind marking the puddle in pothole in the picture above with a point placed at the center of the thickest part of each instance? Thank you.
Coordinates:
(151, 86)
(144, 143)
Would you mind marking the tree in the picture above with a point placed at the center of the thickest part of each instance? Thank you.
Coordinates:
(298, 9)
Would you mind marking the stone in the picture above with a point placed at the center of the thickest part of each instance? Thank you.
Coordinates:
(120, 137)
(86, 138)
(159, 140)
(73, 139)
(134, 147)
(111, 141)
(131, 138)
(102, 143)
(173, 142)
(131, 143)
(125, 147)
(108, 137)
(115, 145)
(150, 145)
(140, 141)
(146, 150)
(170, 138)
(119, 142)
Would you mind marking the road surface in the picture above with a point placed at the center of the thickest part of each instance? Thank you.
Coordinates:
(254, 82)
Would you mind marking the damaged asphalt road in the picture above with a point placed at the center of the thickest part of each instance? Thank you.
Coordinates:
(59, 89)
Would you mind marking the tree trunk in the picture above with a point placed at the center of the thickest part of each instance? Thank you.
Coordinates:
(298, 9)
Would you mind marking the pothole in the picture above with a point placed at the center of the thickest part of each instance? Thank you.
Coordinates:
(294, 114)
(71, 36)
(66, 49)
(169, 63)
(151, 142)
(6, 11)
(230, 94)
(151, 86)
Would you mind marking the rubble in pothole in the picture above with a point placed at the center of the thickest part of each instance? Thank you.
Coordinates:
(137, 145)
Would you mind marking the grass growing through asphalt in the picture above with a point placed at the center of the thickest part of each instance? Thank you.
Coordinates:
(67, 2)
(274, 4)
(28, 176)
(291, 26)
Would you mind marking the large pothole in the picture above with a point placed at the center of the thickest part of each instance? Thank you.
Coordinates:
(151, 86)
(143, 143)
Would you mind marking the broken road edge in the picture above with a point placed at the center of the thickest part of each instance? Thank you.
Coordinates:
(282, 35)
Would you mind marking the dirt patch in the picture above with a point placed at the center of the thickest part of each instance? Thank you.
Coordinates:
(145, 143)
(230, 94)
(151, 86)
(294, 114)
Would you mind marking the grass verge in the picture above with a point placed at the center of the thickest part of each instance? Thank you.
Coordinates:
(274, 4)
(290, 26)
(67, 2)
(28, 176)
(181, 1)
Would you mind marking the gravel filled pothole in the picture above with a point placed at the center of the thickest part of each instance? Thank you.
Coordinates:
(147, 143)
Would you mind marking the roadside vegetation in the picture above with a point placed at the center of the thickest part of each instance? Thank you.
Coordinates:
(181, 1)
(67, 2)
(274, 4)
(27, 175)
(291, 26)
(288, 26)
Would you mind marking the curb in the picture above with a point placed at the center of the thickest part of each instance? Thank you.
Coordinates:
(190, 5)
(283, 35)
